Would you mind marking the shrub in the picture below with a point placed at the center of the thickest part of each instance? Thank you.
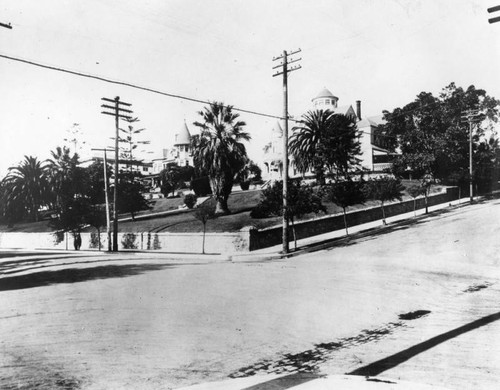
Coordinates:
(190, 200)
(201, 186)
(129, 241)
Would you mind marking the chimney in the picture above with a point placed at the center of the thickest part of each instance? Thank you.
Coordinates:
(358, 109)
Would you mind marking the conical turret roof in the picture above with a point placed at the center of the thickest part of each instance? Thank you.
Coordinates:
(183, 137)
(325, 93)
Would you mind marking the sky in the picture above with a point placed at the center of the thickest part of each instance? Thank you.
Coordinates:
(381, 52)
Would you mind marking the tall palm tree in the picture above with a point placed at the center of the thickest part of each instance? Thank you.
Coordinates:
(219, 150)
(60, 169)
(305, 142)
(325, 141)
(27, 186)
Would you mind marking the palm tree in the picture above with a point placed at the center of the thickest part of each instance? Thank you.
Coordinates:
(325, 141)
(60, 170)
(219, 150)
(305, 142)
(27, 186)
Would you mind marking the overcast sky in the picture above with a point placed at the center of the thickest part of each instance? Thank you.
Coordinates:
(382, 52)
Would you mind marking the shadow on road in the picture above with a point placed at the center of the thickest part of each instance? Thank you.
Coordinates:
(75, 275)
(392, 361)
(285, 382)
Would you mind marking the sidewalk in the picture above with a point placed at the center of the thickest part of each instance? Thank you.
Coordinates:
(338, 237)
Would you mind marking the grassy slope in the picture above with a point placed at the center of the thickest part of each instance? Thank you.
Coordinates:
(240, 204)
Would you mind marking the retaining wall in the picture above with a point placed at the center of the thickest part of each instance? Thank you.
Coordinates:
(248, 239)
(272, 236)
(165, 242)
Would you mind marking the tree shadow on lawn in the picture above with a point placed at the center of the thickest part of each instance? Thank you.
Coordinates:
(392, 361)
(75, 275)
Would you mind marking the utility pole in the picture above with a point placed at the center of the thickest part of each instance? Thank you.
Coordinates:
(106, 196)
(285, 61)
(470, 116)
(118, 112)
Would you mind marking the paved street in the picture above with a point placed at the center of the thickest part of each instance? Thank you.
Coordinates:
(418, 302)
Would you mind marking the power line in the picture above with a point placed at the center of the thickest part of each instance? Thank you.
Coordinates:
(176, 96)
(126, 84)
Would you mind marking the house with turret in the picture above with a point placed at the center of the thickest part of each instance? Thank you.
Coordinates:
(180, 154)
(375, 158)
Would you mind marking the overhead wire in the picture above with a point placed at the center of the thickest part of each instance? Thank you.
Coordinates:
(136, 86)
(177, 96)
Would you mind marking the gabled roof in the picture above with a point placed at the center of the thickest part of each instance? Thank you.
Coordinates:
(325, 93)
(372, 121)
(345, 110)
(183, 137)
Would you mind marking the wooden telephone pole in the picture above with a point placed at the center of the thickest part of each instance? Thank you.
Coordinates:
(285, 61)
(118, 112)
(471, 116)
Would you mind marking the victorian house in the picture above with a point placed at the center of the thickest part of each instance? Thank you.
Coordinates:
(374, 158)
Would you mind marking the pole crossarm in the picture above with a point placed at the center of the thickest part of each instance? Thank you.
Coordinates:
(6, 25)
(114, 108)
(114, 114)
(115, 101)
(494, 9)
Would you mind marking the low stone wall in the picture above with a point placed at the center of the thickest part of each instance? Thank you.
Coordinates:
(248, 239)
(165, 242)
(272, 236)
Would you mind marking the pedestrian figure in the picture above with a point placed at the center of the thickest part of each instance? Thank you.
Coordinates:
(77, 241)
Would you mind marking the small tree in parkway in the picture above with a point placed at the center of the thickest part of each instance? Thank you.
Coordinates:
(203, 213)
(346, 193)
(302, 200)
(385, 189)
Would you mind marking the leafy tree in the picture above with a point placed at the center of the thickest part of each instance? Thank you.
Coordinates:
(130, 199)
(384, 189)
(250, 172)
(95, 188)
(201, 186)
(486, 165)
(460, 178)
(190, 200)
(219, 150)
(204, 213)
(96, 217)
(414, 190)
(325, 141)
(72, 217)
(301, 200)
(170, 179)
(25, 187)
(431, 134)
(346, 193)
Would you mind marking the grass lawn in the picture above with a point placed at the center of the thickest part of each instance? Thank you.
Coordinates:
(240, 203)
